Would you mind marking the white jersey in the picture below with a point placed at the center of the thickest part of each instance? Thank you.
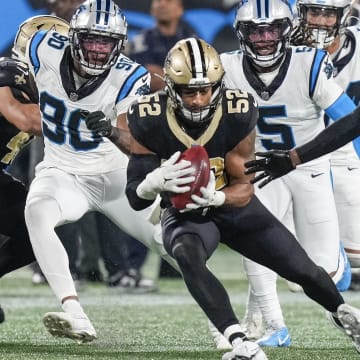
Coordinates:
(290, 106)
(69, 144)
(347, 75)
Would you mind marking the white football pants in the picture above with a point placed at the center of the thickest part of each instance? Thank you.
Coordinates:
(56, 197)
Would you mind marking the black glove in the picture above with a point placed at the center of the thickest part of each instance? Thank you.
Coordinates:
(97, 121)
(274, 164)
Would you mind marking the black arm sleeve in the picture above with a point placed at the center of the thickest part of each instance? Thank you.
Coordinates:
(332, 138)
(139, 166)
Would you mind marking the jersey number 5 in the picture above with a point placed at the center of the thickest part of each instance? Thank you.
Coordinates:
(282, 132)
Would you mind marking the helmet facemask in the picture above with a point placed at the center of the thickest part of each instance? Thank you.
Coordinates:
(191, 66)
(265, 43)
(98, 33)
(196, 116)
(322, 35)
(95, 53)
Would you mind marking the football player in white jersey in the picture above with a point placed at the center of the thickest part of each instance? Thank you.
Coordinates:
(81, 171)
(323, 25)
(269, 68)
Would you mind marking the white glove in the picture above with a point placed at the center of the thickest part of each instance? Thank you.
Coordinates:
(210, 197)
(170, 176)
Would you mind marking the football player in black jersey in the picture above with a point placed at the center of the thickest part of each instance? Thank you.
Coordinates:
(19, 122)
(19, 119)
(196, 109)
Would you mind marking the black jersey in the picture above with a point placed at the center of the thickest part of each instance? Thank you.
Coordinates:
(153, 123)
(15, 74)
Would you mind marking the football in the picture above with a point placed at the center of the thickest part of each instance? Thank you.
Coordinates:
(199, 159)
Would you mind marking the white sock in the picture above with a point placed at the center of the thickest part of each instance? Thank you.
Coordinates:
(48, 249)
(73, 307)
(263, 287)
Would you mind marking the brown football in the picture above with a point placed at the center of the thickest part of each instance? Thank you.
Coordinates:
(199, 159)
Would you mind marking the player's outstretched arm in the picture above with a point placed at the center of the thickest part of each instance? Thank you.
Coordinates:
(26, 117)
(276, 163)
(271, 165)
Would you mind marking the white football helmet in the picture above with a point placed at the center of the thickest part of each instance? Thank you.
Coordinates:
(255, 17)
(98, 32)
(323, 36)
(193, 63)
(32, 25)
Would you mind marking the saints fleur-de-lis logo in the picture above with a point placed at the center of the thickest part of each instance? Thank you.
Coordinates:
(20, 79)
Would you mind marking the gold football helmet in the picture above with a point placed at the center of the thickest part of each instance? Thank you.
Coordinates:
(193, 63)
(30, 26)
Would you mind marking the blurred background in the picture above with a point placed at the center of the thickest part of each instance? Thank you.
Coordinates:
(212, 20)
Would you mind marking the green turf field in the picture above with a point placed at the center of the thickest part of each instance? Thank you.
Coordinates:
(166, 325)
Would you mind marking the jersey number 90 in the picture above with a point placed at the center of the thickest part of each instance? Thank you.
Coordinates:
(60, 127)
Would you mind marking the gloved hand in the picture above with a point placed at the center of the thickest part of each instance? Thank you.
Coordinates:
(170, 176)
(98, 122)
(274, 164)
(210, 197)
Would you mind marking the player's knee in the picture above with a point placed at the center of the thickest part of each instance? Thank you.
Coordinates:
(189, 251)
(42, 208)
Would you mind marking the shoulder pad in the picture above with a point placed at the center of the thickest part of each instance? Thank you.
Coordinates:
(16, 74)
(146, 116)
(241, 108)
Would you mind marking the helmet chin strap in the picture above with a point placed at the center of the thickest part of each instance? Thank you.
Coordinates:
(321, 38)
(260, 68)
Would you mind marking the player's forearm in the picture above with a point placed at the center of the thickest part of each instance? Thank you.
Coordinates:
(332, 138)
(139, 166)
(238, 194)
(26, 117)
(121, 138)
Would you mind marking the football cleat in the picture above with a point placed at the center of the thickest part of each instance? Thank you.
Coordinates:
(132, 282)
(252, 326)
(62, 324)
(344, 283)
(220, 340)
(335, 321)
(275, 338)
(245, 350)
(349, 317)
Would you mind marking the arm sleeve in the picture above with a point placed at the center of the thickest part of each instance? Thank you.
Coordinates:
(137, 84)
(341, 107)
(332, 138)
(139, 166)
